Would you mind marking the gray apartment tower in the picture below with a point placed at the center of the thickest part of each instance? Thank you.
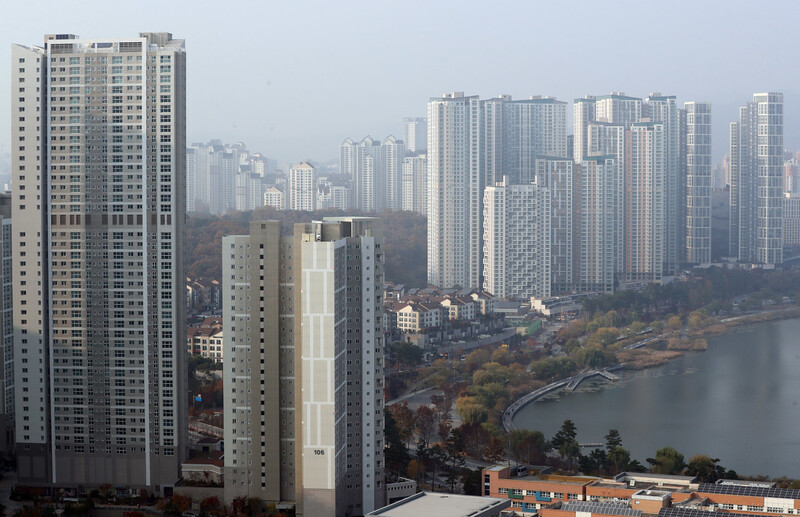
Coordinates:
(304, 365)
(99, 197)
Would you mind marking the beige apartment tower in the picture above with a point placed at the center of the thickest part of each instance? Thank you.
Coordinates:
(304, 363)
(99, 195)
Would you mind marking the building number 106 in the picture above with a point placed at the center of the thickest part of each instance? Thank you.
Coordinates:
(319, 452)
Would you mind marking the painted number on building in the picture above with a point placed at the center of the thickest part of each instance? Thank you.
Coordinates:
(319, 452)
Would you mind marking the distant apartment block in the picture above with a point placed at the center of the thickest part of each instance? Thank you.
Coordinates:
(302, 187)
(415, 133)
(205, 340)
(275, 197)
(414, 184)
(791, 219)
(517, 241)
(756, 181)
(698, 168)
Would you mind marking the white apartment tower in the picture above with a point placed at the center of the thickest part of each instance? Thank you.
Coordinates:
(516, 241)
(597, 224)
(664, 110)
(302, 187)
(99, 318)
(454, 184)
(532, 128)
(304, 362)
(756, 181)
(618, 108)
(644, 203)
(698, 183)
(583, 113)
(415, 184)
(415, 132)
(392, 154)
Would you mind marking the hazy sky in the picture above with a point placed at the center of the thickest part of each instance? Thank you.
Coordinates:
(292, 79)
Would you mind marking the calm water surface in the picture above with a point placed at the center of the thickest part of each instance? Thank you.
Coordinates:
(738, 401)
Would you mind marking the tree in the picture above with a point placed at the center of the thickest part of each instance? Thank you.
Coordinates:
(471, 411)
(618, 460)
(594, 462)
(212, 506)
(569, 450)
(495, 451)
(443, 430)
(406, 421)
(454, 446)
(425, 423)
(443, 404)
(437, 458)
(667, 461)
(182, 503)
(525, 446)
(637, 326)
(708, 469)
(675, 323)
(396, 451)
(476, 359)
(472, 481)
(613, 440)
(567, 432)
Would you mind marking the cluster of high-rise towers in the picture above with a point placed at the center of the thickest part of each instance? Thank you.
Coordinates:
(519, 207)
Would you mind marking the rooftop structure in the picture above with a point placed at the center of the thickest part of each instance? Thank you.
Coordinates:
(444, 505)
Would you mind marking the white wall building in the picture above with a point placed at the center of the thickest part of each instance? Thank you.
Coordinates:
(302, 187)
(517, 241)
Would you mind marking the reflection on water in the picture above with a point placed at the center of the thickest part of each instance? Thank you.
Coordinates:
(737, 401)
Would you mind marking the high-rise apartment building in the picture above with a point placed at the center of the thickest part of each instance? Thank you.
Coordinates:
(698, 182)
(756, 181)
(302, 187)
(392, 153)
(597, 224)
(664, 110)
(304, 362)
(415, 132)
(374, 170)
(516, 241)
(98, 206)
(557, 175)
(618, 108)
(415, 184)
(275, 197)
(532, 128)
(6, 330)
(643, 201)
(584, 112)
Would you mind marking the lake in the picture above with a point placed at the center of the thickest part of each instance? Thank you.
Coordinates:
(738, 401)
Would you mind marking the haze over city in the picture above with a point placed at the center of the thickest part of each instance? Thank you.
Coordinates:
(293, 79)
(316, 259)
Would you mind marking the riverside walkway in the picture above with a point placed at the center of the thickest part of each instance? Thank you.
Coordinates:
(570, 383)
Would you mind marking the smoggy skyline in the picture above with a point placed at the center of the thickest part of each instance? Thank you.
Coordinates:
(294, 79)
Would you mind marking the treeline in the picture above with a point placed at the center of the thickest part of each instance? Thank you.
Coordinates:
(712, 288)
(405, 235)
(424, 445)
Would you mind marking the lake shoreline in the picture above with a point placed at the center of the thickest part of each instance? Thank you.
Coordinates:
(674, 395)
